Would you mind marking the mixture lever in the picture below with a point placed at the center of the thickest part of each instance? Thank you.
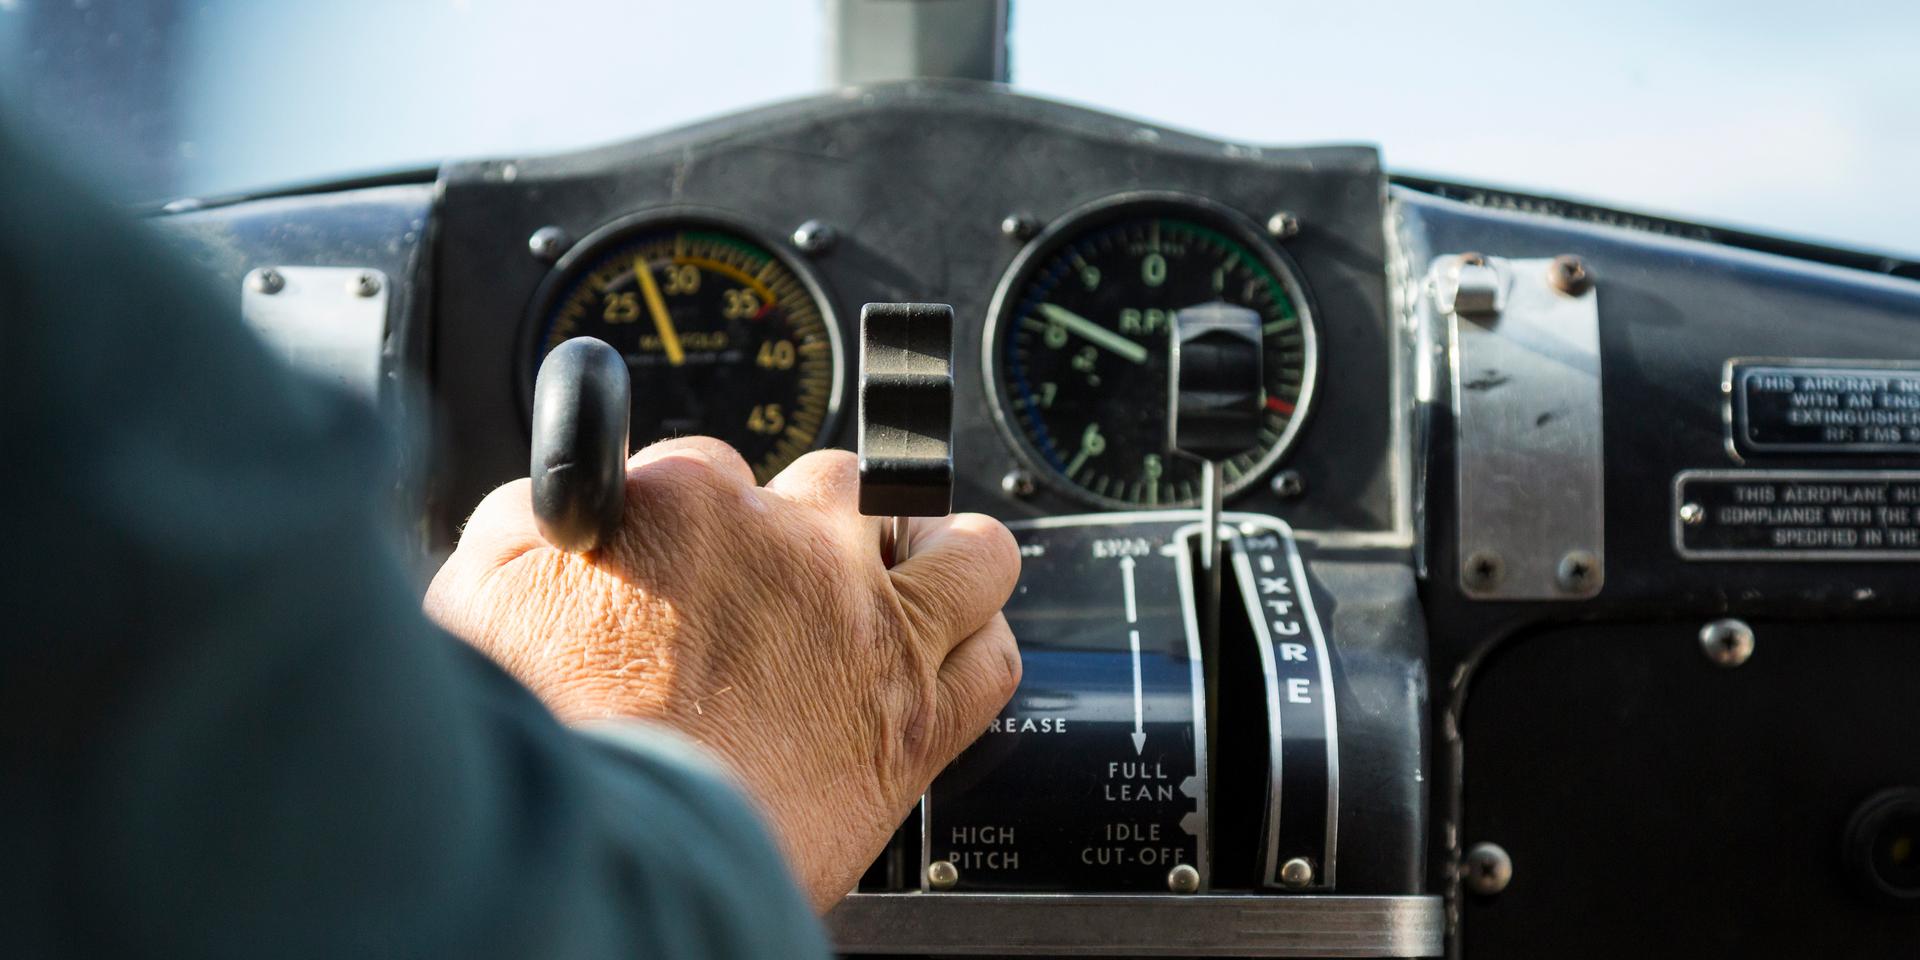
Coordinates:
(582, 408)
(906, 416)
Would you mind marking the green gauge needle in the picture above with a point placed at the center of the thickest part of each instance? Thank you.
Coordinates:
(1100, 336)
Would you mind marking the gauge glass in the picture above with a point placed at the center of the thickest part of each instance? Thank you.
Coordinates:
(1079, 340)
(722, 336)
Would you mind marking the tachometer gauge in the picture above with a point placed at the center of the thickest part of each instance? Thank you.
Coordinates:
(1077, 343)
(723, 335)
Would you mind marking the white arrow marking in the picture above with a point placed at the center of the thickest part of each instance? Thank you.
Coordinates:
(1126, 570)
(1139, 707)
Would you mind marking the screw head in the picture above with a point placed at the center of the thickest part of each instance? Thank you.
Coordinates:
(548, 243)
(1693, 514)
(1183, 878)
(1019, 226)
(266, 280)
(1283, 225)
(1727, 642)
(1484, 570)
(1017, 483)
(1288, 484)
(366, 283)
(1577, 572)
(1487, 869)
(1296, 873)
(1568, 274)
(813, 237)
(942, 875)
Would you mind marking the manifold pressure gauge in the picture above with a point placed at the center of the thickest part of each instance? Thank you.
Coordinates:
(724, 335)
(1076, 345)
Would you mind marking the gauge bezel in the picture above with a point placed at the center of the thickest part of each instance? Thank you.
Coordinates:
(560, 277)
(1122, 206)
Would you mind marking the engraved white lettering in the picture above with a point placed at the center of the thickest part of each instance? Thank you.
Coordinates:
(1028, 725)
(1297, 691)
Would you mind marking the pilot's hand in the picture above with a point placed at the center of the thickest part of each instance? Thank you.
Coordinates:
(762, 623)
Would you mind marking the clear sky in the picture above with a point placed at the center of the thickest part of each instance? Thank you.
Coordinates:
(1789, 117)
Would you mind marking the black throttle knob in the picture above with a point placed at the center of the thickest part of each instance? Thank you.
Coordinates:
(582, 405)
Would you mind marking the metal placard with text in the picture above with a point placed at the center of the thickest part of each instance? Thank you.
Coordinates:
(1835, 515)
(1093, 778)
(1822, 406)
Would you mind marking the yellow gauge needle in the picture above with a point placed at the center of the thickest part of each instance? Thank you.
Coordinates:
(662, 321)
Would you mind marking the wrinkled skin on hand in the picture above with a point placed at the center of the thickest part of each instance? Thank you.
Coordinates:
(762, 623)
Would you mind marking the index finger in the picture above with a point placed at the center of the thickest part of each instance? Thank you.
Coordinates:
(960, 573)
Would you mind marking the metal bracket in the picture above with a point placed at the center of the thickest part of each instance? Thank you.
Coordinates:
(1525, 340)
(328, 321)
(1138, 926)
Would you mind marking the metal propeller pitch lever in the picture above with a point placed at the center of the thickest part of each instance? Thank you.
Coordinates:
(906, 416)
(1214, 385)
(582, 405)
(1213, 413)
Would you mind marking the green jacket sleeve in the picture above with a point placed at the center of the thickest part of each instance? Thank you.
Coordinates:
(225, 726)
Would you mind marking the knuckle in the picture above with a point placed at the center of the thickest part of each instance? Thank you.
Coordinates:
(1000, 667)
(682, 483)
(1012, 668)
(913, 678)
(922, 716)
(924, 604)
(692, 467)
(709, 446)
(825, 474)
(829, 461)
(999, 551)
(911, 734)
(502, 502)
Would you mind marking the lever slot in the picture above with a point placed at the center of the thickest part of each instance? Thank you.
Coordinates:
(1241, 743)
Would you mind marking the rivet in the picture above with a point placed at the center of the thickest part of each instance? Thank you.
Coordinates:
(1727, 642)
(1577, 571)
(548, 243)
(942, 875)
(1183, 878)
(1487, 869)
(1568, 274)
(814, 237)
(1288, 484)
(1017, 483)
(1019, 226)
(1484, 570)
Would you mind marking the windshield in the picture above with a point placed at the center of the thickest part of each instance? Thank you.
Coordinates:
(1758, 114)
